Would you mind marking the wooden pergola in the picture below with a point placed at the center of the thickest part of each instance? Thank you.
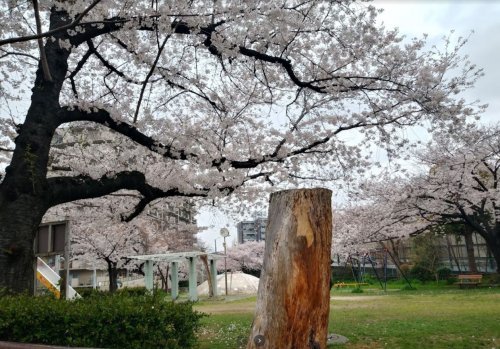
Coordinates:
(174, 259)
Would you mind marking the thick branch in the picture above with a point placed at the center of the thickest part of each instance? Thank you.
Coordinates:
(40, 35)
(102, 117)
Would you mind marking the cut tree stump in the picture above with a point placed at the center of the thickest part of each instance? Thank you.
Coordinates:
(293, 300)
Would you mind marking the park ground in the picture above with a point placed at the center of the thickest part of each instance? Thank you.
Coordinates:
(428, 317)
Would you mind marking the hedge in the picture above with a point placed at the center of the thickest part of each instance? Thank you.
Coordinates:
(111, 321)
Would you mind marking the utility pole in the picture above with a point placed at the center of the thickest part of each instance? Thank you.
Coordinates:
(225, 233)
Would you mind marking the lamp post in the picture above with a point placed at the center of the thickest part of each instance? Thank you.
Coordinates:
(225, 233)
(215, 243)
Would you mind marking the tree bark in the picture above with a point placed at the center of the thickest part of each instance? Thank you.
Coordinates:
(113, 275)
(204, 260)
(469, 247)
(293, 301)
(493, 241)
(19, 223)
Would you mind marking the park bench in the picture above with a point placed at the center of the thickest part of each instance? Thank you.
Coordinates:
(469, 281)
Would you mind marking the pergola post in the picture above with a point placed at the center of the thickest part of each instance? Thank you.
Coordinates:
(213, 274)
(148, 275)
(175, 280)
(193, 294)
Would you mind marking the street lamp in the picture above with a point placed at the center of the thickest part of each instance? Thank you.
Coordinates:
(225, 233)
(215, 243)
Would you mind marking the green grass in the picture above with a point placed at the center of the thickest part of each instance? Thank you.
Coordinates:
(429, 317)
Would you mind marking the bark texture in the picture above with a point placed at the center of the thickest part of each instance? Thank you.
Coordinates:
(293, 301)
(469, 246)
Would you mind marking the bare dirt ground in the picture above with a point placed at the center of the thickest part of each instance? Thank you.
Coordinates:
(226, 308)
(242, 306)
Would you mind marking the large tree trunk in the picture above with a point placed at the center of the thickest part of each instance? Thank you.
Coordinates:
(293, 301)
(469, 247)
(493, 241)
(19, 222)
(24, 193)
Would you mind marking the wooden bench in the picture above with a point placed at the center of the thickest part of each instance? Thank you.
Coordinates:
(469, 281)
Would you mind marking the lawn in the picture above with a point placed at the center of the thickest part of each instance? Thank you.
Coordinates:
(429, 318)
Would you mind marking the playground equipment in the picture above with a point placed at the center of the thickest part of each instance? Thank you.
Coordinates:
(358, 269)
(51, 280)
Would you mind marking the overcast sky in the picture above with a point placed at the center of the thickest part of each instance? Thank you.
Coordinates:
(435, 18)
(438, 17)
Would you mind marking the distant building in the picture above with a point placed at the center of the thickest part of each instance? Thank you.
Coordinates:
(172, 215)
(254, 230)
(451, 253)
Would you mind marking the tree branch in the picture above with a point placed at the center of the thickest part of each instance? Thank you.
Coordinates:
(67, 189)
(40, 35)
(43, 57)
(150, 73)
(102, 117)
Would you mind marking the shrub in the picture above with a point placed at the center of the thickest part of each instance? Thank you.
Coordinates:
(105, 321)
(451, 280)
(444, 273)
(420, 273)
(134, 291)
(357, 290)
(492, 279)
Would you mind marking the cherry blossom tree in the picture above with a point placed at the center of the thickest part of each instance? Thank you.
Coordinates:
(245, 257)
(217, 97)
(458, 185)
(99, 236)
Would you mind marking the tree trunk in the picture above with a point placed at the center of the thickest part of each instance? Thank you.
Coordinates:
(293, 301)
(24, 194)
(19, 223)
(493, 241)
(113, 275)
(164, 277)
(204, 260)
(469, 247)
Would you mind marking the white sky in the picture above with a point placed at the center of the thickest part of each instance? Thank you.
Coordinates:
(435, 18)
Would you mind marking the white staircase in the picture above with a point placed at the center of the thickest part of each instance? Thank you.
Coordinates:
(50, 279)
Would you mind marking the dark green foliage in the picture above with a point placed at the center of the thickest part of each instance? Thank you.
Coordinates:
(421, 273)
(100, 320)
(136, 291)
(87, 291)
(444, 273)
(357, 290)
(254, 272)
(451, 280)
(491, 279)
